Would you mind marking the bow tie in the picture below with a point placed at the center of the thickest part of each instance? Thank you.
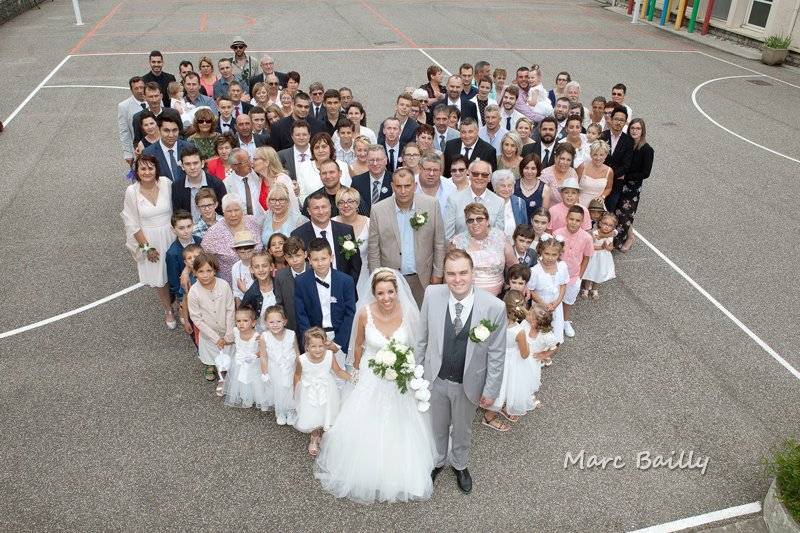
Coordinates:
(226, 125)
(323, 283)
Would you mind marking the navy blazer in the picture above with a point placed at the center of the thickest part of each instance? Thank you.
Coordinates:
(155, 150)
(343, 308)
(409, 133)
(363, 184)
(281, 131)
(182, 196)
(351, 266)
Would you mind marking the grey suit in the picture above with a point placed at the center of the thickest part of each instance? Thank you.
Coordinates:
(449, 134)
(286, 157)
(384, 247)
(454, 212)
(453, 404)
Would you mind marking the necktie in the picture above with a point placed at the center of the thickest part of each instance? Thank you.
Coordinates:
(391, 159)
(376, 191)
(508, 123)
(323, 283)
(466, 152)
(173, 164)
(237, 111)
(457, 324)
(546, 156)
(441, 142)
(144, 106)
(522, 259)
(247, 196)
(324, 234)
(302, 157)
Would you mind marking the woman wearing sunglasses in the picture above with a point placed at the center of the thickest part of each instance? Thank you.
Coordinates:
(205, 135)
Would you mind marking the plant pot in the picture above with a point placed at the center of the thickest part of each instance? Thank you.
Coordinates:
(776, 516)
(773, 56)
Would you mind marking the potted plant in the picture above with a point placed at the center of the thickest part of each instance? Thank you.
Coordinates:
(782, 504)
(775, 49)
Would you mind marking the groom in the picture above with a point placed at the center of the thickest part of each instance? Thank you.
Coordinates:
(462, 373)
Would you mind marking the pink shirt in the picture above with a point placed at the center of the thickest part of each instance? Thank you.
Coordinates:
(558, 217)
(576, 246)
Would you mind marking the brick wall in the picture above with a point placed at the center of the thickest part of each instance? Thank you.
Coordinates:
(11, 8)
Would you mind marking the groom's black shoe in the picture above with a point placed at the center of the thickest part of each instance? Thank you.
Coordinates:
(464, 480)
(435, 472)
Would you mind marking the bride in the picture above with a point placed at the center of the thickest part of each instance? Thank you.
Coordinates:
(381, 447)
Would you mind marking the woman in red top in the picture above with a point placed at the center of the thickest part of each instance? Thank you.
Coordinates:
(218, 166)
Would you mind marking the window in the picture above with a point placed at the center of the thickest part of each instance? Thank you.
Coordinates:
(759, 13)
(721, 9)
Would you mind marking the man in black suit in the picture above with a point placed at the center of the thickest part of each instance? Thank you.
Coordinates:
(455, 98)
(321, 225)
(185, 188)
(235, 94)
(376, 183)
(267, 68)
(158, 75)
(282, 129)
(408, 126)
(546, 144)
(299, 151)
(619, 158)
(317, 91)
(333, 111)
(392, 143)
(469, 145)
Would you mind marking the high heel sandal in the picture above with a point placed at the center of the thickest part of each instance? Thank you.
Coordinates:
(171, 324)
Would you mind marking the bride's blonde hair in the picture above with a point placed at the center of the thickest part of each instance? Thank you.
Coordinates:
(383, 274)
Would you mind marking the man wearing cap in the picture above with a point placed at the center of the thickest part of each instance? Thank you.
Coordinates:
(244, 66)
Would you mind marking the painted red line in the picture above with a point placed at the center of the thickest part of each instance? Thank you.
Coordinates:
(203, 22)
(85, 39)
(409, 41)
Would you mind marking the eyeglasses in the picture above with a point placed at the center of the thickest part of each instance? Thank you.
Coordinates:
(238, 47)
(349, 201)
(206, 206)
(458, 170)
(278, 200)
(476, 220)
(317, 93)
(273, 83)
(204, 121)
(381, 160)
(479, 174)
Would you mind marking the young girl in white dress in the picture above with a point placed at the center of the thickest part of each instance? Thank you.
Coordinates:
(381, 447)
(247, 383)
(539, 222)
(282, 353)
(261, 267)
(601, 264)
(549, 279)
(316, 393)
(517, 389)
(541, 343)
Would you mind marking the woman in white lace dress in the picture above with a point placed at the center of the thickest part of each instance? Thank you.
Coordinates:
(381, 447)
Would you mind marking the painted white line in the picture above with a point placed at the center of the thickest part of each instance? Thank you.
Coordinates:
(426, 54)
(84, 87)
(764, 346)
(747, 69)
(36, 90)
(745, 139)
(708, 518)
(68, 314)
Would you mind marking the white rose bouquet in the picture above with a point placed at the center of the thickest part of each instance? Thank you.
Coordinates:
(418, 220)
(395, 362)
(349, 246)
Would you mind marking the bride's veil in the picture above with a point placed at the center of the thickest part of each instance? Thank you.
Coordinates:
(407, 303)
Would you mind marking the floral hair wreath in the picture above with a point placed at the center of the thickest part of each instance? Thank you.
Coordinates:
(546, 237)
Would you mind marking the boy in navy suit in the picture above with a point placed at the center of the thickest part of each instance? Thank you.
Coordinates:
(325, 297)
(523, 238)
(182, 225)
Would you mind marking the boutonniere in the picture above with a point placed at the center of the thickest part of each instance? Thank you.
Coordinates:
(334, 300)
(482, 331)
(418, 220)
(384, 190)
(349, 246)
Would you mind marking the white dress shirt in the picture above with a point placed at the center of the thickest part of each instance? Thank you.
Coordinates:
(467, 302)
(234, 183)
(446, 188)
(324, 294)
(457, 103)
(249, 146)
(328, 236)
(226, 126)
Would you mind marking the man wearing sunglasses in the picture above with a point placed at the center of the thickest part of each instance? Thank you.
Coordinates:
(244, 66)
(454, 223)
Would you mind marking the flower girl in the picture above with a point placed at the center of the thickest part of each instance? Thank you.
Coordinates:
(541, 343)
(247, 382)
(282, 353)
(601, 265)
(316, 393)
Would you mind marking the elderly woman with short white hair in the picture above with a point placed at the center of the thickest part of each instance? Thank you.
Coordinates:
(514, 211)
(282, 216)
(219, 238)
(419, 106)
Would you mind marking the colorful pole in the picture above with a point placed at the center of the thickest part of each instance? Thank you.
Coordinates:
(636, 10)
(630, 7)
(707, 18)
(665, 9)
(651, 9)
(693, 18)
(680, 15)
(643, 12)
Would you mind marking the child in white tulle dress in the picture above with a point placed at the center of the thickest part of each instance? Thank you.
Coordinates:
(248, 383)
(549, 280)
(518, 386)
(541, 343)
(601, 264)
(282, 353)
(316, 393)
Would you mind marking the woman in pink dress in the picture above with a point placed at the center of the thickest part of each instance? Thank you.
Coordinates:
(554, 175)
(218, 240)
(489, 248)
(597, 178)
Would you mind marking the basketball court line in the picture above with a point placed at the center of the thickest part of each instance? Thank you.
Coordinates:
(703, 519)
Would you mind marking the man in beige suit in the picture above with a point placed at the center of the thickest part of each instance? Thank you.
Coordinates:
(417, 250)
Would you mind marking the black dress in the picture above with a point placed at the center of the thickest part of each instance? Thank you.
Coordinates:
(532, 202)
(641, 165)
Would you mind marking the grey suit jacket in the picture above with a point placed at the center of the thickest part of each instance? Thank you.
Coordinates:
(454, 212)
(450, 134)
(383, 246)
(287, 160)
(283, 288)
(483, 368)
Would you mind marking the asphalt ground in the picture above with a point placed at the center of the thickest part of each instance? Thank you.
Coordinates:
(109, 425)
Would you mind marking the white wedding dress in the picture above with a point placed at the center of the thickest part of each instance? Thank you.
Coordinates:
(381, 447)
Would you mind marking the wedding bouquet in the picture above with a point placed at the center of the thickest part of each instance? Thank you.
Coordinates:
(395, 362)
